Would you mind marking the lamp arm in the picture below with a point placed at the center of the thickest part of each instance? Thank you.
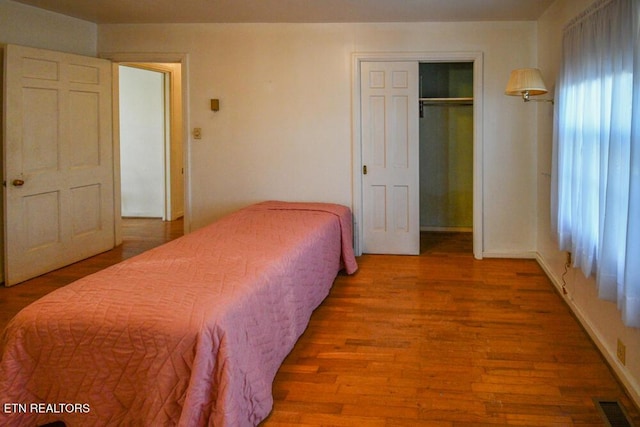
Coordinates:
(542, 100)
(527, 98)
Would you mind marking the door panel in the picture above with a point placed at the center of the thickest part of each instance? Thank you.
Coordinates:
(402, 205)
(40, 141)
(389, 102)
(58, 163)
(377, 134)
(41, 234)
(86, 209)
(399, 136)
(84, 135)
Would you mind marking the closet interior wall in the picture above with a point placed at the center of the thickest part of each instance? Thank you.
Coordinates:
(446, 146)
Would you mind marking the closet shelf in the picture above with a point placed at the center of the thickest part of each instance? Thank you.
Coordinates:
(445, 101)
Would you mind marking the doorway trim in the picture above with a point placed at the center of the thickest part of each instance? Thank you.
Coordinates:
(478, 142)
(118, 58)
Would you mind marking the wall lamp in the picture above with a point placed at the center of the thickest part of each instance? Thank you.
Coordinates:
(527, 82)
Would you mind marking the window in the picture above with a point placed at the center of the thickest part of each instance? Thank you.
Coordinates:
(596, 176)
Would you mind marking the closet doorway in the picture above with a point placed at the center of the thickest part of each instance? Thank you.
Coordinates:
(446, 149)
(466, 63)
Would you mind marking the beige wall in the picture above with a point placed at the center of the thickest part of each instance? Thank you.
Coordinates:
(30, 26)
(284, 126)
(600, 318)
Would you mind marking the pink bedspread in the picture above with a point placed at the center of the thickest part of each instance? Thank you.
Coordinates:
(191, 333)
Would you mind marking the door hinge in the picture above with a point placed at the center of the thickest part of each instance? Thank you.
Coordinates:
(364, 169)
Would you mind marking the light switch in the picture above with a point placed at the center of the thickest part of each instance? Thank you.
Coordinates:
(197, 133)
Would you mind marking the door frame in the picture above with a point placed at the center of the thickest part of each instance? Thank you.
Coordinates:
(124, 58)
(357, 191)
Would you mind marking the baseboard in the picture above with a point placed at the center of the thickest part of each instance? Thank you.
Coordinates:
(517, 255)
(629, 383)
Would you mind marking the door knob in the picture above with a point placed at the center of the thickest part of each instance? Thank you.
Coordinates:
(17, 182)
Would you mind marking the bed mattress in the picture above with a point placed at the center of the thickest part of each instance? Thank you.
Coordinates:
(190, 333)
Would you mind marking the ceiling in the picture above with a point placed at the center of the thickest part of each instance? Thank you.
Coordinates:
(312, 11)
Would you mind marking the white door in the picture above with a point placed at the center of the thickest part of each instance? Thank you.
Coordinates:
(58, 160)
(389, 103)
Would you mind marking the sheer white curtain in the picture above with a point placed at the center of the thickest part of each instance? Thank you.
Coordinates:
(596, 174)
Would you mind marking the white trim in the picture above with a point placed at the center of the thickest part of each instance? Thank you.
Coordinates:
(628, 381)
(478, 141)
(166, 57)
(117, 184)
(513, 255)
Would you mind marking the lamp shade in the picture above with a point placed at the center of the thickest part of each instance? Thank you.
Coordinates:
(525, 80)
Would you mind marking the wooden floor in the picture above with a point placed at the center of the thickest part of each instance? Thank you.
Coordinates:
(436, 340)
(443, 340)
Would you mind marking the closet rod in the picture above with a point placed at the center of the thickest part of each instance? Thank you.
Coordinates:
(442, 102)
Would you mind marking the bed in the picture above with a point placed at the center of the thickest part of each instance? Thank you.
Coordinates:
(190, 333)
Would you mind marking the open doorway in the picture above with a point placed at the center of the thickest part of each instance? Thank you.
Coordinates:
(151, 153)
(446, 155)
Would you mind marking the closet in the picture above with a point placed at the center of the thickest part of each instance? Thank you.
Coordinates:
(446, 146)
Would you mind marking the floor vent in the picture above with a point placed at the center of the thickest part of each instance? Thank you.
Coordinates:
(613, 413)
